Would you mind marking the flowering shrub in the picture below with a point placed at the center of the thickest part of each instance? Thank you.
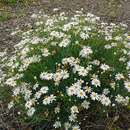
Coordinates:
(65, 65)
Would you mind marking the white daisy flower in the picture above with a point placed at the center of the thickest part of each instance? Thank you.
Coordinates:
(44, 90)
(38, 95)
(57, 109)
(119, 76)
(29, 103)
(11, 82)
(94, 96)
(85, 104)
(31, 111)
(45, 52)
(85, 52)
(71, 91)
(57, 124)
(46, 76)
(104, 67)
(81, 94)
(105, 100)
(67, 125)
(96, 82)
(49, 99)
(76, 127)
(74, 109)
(122, 100)
(16, 91)
(72, 117)
(64, 43)
(10, 105)
(127, 85)
(107, 46)
(128, 64)
(84, 35)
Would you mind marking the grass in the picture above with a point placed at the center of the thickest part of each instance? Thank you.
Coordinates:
(10, 1)
(7, 6)
(5, 16)
(15, 2)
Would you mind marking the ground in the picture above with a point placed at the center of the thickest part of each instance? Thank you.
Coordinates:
(18, 16)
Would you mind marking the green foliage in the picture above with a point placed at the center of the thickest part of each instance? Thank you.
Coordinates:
(4, 16)
(12, 2)
(15, 2)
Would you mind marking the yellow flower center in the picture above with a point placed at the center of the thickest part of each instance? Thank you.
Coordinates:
(128, 37)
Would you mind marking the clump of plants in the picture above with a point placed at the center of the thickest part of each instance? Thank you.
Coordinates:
(5, 16)
(66, 65)
(15, 2)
